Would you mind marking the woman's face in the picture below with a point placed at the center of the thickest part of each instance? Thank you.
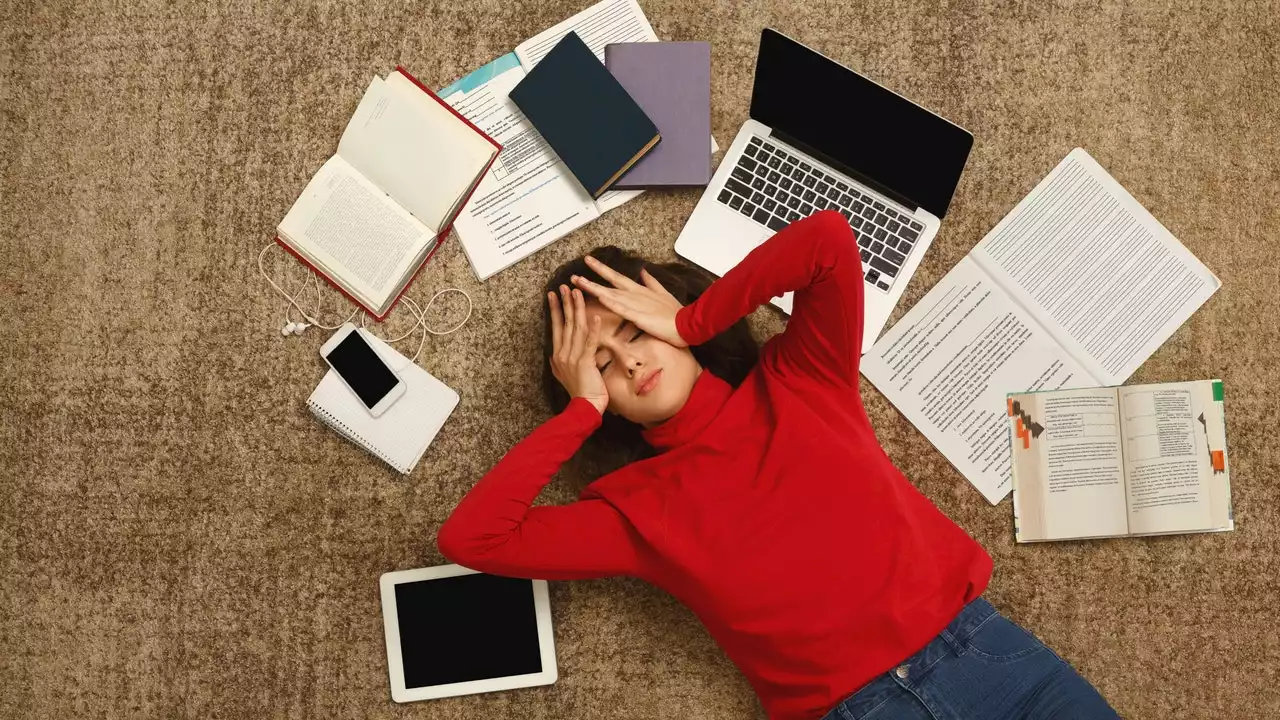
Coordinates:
(648, 380)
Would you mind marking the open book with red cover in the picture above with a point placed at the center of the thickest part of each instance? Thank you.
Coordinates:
(376, 211)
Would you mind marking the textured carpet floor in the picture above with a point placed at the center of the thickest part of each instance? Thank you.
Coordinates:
(178, 538)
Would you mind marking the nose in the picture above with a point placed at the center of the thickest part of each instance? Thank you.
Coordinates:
(632, 363)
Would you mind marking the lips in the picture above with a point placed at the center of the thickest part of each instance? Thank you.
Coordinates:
(648, 381)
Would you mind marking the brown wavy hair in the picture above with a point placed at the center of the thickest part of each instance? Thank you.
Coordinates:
(730, 355)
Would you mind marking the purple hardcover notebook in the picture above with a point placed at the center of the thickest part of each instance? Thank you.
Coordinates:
(671, 81)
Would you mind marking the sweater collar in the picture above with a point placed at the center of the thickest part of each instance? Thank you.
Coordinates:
(709, 395)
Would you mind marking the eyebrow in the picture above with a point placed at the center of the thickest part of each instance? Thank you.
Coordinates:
(621, 326)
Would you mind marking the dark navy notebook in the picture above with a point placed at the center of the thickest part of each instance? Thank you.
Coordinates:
(585, 114)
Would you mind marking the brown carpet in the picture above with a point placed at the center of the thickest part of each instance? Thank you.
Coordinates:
(178, 537)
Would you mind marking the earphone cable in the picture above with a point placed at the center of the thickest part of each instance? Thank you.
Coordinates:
(419, 313)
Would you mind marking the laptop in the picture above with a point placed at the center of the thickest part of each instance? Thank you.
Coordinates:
(820, 136)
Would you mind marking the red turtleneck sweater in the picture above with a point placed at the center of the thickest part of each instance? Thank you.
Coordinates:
(771, 511)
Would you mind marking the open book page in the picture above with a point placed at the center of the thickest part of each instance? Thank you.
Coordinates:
(413, 148)
(1171, 432)
(1103, 276)
(610, 21)
(528, 199)
(1068, 468)
(949, 363)
(354, 232)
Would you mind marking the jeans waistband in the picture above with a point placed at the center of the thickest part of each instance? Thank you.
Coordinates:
(947, 643)
(971, 617)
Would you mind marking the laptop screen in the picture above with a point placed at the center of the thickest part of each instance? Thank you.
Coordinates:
(881, 137)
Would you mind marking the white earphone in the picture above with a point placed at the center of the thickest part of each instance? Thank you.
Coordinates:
(419, 313)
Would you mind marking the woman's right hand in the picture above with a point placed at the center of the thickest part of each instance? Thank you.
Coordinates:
(646, 304)
(573, 348)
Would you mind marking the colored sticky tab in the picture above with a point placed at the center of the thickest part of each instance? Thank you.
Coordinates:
(482, 75)
(1217, 391)
(1219, 460)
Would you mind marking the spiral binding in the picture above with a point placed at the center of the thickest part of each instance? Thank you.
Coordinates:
(353, 436)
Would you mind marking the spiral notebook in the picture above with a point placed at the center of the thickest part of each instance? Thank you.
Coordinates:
(400, 435)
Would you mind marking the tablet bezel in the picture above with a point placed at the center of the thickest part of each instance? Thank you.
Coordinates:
(395, 661)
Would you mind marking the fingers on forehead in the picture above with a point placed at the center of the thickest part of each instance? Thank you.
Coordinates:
(608, 318)
(607, 272)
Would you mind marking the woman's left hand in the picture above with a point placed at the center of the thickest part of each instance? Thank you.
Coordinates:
(648, 306)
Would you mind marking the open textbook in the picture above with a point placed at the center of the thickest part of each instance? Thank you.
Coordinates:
(1109, 462)
(1076, 287)
(529, 199)
(375, 211)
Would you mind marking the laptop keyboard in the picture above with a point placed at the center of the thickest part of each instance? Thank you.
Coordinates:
(774, 187)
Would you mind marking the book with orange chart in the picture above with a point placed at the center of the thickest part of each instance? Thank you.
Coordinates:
(1116, 461)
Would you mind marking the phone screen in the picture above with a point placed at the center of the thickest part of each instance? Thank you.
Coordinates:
(363, 370)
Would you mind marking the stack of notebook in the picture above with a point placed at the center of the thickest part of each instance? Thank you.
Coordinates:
(607, 123)
(530, 198)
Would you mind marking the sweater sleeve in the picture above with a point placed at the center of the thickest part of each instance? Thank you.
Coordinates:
(817, 257)
(496, 530)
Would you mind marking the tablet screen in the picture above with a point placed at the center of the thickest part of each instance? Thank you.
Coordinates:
(467, 627)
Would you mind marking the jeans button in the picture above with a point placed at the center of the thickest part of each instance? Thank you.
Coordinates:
(902, 671)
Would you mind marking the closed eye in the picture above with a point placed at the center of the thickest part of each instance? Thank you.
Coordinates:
(609, 362)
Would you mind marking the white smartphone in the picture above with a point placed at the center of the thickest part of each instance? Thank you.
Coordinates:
(358, 365)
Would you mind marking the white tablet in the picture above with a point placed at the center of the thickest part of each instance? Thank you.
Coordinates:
(454, 631)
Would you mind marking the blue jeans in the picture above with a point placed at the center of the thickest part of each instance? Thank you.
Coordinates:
(982, 667)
